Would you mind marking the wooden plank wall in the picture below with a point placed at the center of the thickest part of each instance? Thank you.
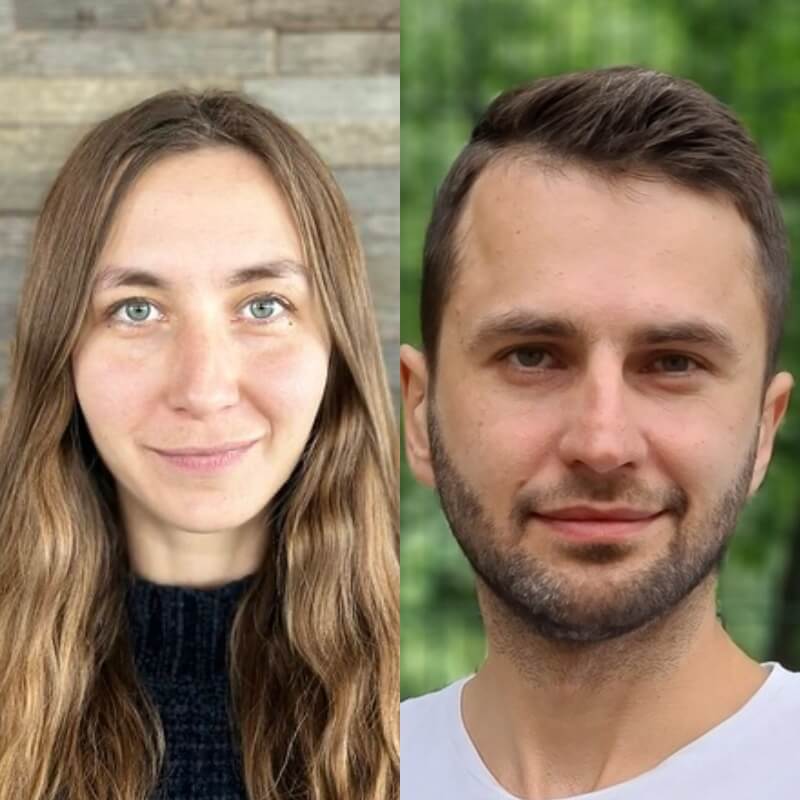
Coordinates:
(331, 67)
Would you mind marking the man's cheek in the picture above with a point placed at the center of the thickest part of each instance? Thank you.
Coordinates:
(496, 464)
(508, 443)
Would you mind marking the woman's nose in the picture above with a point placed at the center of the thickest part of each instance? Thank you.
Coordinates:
(204, 374)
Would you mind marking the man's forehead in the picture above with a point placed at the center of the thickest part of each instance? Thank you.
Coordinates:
(521, 196)
(571, 236)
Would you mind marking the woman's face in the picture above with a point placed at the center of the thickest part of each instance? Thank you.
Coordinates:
(203, 332)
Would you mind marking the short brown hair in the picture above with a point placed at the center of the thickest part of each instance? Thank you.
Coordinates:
(619, 122)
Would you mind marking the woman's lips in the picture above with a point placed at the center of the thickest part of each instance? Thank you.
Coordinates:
(595, 529)
(205, 464)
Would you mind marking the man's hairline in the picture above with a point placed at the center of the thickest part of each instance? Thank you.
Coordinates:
(534, 155)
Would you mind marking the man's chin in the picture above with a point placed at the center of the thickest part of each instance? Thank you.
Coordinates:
(604, 623)
(579, 603)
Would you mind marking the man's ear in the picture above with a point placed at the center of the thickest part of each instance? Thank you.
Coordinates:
(415, 388)
(776, 402)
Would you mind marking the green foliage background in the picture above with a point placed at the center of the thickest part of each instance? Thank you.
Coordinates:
(456, 56)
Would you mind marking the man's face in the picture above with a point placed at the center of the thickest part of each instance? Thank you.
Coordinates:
(603, 346)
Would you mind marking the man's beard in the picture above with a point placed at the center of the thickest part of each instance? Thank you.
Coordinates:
(548, 603)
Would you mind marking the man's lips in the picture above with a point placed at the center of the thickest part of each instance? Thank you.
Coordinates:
(610, 526)
(617, 513)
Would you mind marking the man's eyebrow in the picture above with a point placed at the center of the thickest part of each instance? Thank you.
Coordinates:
(114, 277)
(698, 332)
(520, 323)
(524, 324)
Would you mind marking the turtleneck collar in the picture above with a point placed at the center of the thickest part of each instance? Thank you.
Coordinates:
(180, 633)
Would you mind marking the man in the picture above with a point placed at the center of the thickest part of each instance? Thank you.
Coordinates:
(604, 288)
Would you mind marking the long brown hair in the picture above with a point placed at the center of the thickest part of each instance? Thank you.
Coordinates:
(314, 647)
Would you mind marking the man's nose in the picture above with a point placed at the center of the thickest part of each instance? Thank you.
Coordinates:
(204, 374)
(602, 431)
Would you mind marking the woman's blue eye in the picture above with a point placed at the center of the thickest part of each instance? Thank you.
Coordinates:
(136, 311)
(266, 307)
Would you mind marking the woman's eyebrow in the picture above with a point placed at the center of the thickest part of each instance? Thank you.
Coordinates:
(113, 277)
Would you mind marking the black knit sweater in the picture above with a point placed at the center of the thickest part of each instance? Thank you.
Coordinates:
(180, 645)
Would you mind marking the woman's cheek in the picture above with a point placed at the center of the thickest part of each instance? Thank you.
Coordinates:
(108, 381)
(290, 378)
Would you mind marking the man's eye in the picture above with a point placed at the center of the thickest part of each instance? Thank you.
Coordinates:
(677, 363)
(527, 357)
(266, 308)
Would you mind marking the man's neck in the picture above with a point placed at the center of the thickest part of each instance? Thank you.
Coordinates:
(555, 719)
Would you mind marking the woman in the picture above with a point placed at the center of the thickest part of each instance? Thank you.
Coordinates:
(198, 577)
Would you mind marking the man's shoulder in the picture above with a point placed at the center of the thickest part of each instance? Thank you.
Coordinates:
(438, 704)
(785, 675)
(432, 720)
(781, 696)
(431, 747)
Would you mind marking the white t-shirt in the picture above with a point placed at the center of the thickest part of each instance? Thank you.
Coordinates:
(752, 755)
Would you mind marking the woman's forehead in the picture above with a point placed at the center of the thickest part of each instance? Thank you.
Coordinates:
(214, 210)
